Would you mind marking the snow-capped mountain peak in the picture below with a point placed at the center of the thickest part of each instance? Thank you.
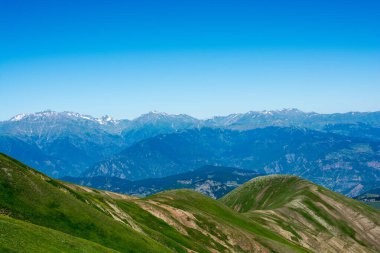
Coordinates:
(22, 116)
(106, 119)
(66, 115)
(158, 112)
(18, 117)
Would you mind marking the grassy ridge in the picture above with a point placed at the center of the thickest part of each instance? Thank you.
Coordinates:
(305, 213)
(268, 192)
(273, 213)
(26, 194)
(211, 213)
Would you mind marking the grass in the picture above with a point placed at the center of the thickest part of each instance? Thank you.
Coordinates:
(261, 193)
(19, 236)
(160, 230)
(29, 195)
(46, 215)
(293, 197)
(208, 209)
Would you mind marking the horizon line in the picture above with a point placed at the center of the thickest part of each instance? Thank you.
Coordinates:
(185, 114)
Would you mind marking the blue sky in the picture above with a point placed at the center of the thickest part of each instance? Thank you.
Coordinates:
(202, 58)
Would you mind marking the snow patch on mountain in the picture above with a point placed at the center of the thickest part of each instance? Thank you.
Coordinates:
(48, 114)
(18, 117)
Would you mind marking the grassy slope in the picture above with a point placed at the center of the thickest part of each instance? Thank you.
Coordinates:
(126, 224)
(185, 219)
(179, 220)
(308, 214)
(28, 195)
(19, 236)
(126, 209)
(223, 224)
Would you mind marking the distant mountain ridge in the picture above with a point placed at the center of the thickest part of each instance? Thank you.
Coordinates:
(69, 143)
(53, 114)
(214, 181)
(344, 164)
(291, 117)
(371, 197)
(249, 120)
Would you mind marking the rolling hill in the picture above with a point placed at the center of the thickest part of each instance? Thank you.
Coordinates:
(307, 213)
(274, 213)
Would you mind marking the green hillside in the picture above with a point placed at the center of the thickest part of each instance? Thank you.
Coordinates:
(20, 236)
(28, 195)
(268, 214)
(311, 215)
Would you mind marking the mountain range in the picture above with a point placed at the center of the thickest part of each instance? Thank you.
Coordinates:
(278, 213)
(339, 151)
(345, 164)
(214, 181)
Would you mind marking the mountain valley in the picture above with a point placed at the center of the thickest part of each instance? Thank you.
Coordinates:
(214, 181)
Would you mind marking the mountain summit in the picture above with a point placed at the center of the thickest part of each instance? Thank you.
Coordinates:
(66, 115)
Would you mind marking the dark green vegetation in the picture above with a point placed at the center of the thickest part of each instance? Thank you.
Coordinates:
(214, 181)
(275, 213)
(31, 196)
(20, 236)
(371, 197)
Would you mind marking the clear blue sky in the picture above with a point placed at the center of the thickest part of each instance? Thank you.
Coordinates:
(202, 58)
